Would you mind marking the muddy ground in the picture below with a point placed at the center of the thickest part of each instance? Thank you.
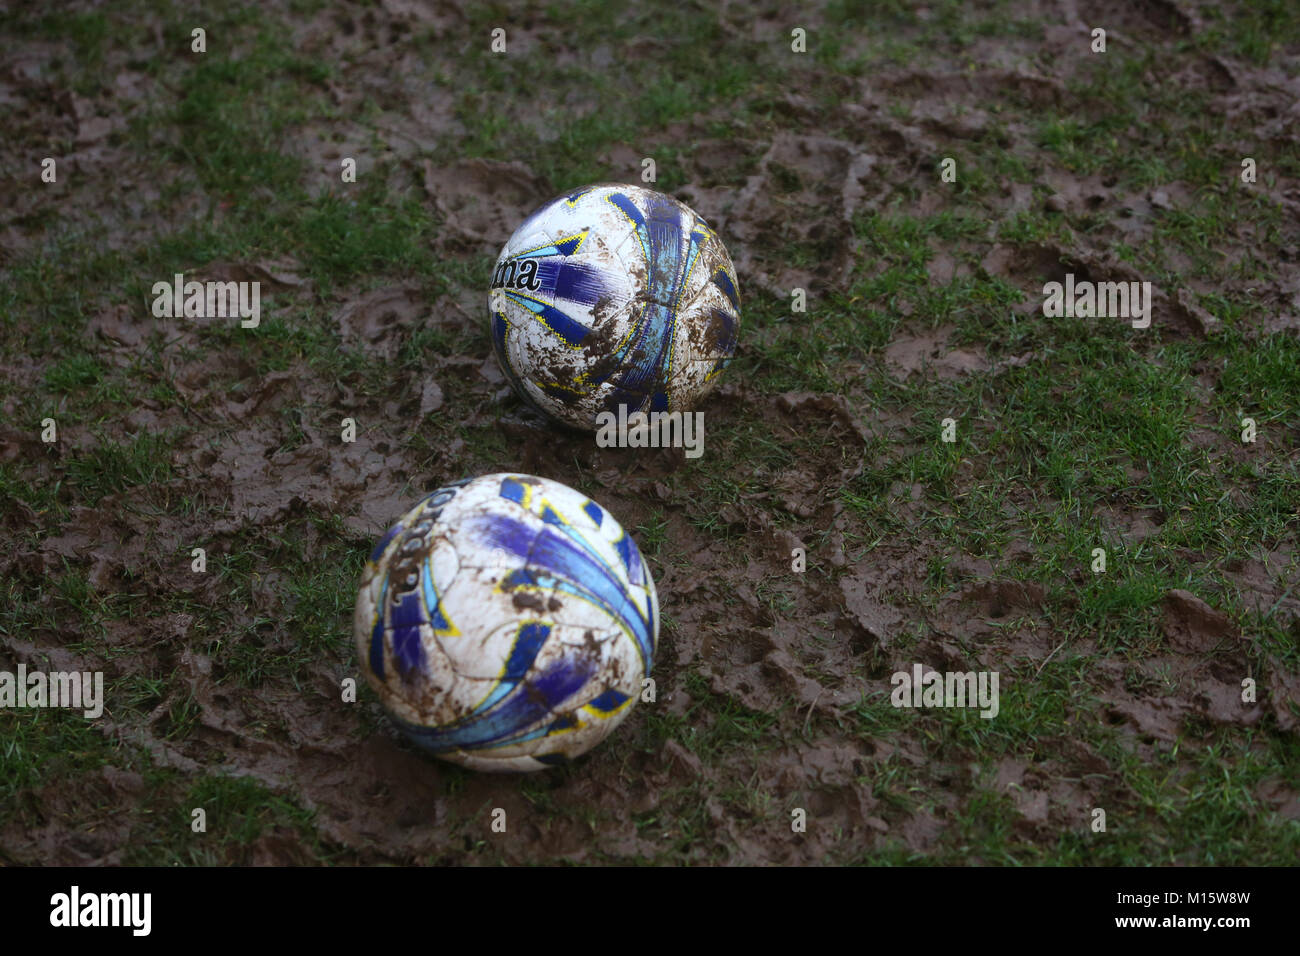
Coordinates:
(1121, 691)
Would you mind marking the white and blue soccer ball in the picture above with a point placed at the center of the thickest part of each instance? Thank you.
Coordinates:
(610, 297)
(507, 623)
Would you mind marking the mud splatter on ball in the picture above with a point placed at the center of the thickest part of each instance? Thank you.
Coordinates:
(507, 623)
(614, 296)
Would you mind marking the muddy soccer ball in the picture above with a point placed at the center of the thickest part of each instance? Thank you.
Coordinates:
(507, 623)
(613, 296)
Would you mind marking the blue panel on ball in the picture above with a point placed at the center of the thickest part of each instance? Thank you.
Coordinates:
(529, 641)
(723, 282)
(432, 602)
(570, 331)
(573, 567)
(508, 722)
(405, 620)
(512, 489)
(377, 633)
(626, 548)
(500, 329)
(567, 247)
(609, 701)
(391, 533)
(566, 722)
(659, 232)
(573, 281)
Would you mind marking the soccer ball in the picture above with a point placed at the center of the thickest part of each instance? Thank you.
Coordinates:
(613, 296)
(507, 623)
